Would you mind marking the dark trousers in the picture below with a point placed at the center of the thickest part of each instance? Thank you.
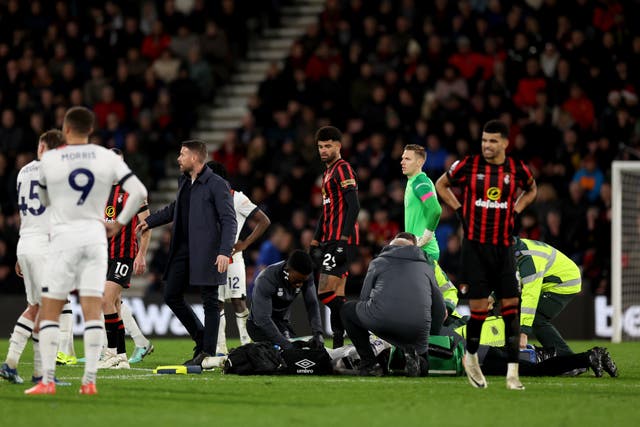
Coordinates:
(496, 360)
(549, 306)
(205, 336)
(358, 333)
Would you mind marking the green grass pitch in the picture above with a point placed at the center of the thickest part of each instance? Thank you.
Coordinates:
(138, 397)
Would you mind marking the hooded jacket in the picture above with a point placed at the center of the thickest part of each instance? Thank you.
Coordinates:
(396, 294)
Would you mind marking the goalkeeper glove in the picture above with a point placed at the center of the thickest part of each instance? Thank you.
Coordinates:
(425, 238)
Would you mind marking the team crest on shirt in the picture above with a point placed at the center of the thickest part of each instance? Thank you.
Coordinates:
(120, 198)
(507, 179)
(280, 292)
(110, 211)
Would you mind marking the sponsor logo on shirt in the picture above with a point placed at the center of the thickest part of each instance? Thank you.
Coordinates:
(110, 211)
(347, 182)
(494, 193)
(491, 205)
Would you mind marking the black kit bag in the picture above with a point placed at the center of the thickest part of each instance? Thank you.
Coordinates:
(259, 358)
(306, 362)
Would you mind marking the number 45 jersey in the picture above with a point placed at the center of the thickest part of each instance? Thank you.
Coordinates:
(34, 217)
(77, 180)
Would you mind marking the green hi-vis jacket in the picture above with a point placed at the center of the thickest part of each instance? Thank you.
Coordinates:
(542, 268)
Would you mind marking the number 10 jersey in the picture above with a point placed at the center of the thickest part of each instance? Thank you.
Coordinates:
(77, 180)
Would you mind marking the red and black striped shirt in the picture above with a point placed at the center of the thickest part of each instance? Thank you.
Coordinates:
(490, 193)
(124, 244)
(337, 180)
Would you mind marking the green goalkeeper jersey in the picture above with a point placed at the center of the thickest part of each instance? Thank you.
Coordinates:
(422, 211)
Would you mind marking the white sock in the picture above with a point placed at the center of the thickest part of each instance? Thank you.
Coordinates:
(241, 321)
(49, 335)
(21, 333)
(512, 370)
(131, 326)
(221, 346)
(37, 356)
(66, 331)
(93, 333)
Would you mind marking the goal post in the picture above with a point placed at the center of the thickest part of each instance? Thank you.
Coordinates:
(625, 248)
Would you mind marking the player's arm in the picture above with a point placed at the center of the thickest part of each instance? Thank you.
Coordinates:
(528, 184)
(262, 223)
(349, 189)
(310, 296)
(43, 193)
(223, 201)
(443, 187)
(424, 191)
(261, 310)
(140, 262)
(317, 235)
(526, 198)
(531, 270)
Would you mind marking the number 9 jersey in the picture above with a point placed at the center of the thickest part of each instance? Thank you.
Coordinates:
(76, 181)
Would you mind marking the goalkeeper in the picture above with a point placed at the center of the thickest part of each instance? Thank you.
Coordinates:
(421, 216)
(550, 280)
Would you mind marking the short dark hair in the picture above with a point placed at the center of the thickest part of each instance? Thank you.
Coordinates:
(198, 147)
(407, 236)
(418, 149)
(496, 126)
(218, 168)
(80, 119)
(52, 139)
(300, 261)
(117, 151)
(328, 133)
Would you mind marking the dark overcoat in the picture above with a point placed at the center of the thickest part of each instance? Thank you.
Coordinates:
(212, 226)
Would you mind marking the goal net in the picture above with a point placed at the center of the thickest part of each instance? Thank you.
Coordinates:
(625, 251)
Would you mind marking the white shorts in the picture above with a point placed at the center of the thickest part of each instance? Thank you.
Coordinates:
(236, 286)
(33, 268)
(83, 268)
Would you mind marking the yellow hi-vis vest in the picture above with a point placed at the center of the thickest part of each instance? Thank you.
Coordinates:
(542, 268)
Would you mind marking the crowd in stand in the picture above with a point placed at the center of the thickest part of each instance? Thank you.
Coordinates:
(142, 66)
(565, 76)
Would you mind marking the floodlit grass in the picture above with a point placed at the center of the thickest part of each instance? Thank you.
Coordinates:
(138, 397)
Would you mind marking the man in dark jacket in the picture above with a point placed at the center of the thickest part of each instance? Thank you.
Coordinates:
(274, 291)
(204, 232)
(395, 304)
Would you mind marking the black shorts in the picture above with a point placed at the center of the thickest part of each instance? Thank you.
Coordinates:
(120, 271)
(489, 268)
(329, 265)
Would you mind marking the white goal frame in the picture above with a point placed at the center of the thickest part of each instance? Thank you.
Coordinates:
(618, 167)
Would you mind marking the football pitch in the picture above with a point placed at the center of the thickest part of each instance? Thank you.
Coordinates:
(138, 397)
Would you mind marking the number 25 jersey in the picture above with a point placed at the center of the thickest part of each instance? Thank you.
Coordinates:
(77, 180)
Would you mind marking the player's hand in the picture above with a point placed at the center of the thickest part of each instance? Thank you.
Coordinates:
(222, 261)
(317, 342)
(142, 227)
(238, 247)
(18, 269)
(139, 265)
(523, 340)
(112, 228)
(340, 253)
(316, 255)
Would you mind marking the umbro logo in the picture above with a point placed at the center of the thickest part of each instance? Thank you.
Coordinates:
(305, 363)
